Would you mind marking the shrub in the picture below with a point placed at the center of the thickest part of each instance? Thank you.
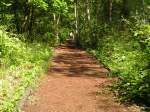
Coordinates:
(63, 35)
(20, 66)
(127, 54)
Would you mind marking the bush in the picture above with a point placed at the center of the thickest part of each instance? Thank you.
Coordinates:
(20, 66)
(63, 35)
(50, 38)
(127, 54)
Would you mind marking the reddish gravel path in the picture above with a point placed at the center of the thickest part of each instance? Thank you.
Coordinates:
(75, 83)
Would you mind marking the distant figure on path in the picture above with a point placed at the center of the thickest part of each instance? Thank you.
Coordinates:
(71, 35)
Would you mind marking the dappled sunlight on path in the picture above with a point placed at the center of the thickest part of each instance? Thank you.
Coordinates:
(75, 83)
(76, 63)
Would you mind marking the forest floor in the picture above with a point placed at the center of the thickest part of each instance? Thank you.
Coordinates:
(76, 82)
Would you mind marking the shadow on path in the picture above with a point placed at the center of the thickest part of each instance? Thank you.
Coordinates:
(75, 83)
(73, 62)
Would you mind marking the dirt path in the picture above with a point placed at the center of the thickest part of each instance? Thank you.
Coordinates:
(74, 84)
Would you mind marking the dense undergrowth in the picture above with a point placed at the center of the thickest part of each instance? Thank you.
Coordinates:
(127, 54)
(21, 64)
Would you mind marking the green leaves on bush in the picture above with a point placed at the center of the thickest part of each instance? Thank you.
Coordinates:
(127, 55)
(20, 65)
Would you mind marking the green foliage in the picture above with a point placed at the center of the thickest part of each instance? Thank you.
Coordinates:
(60, 7)
(50, 38)
(28, 30)
(21, 64)
(63, 35)
(126, 54)
(116, 30)
(39, 3)
(118, 34)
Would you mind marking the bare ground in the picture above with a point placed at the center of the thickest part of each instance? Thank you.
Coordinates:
(75, 83)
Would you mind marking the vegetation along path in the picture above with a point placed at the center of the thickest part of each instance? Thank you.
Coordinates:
(75, 83)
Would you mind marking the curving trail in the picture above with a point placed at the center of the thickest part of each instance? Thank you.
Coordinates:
(75, 83)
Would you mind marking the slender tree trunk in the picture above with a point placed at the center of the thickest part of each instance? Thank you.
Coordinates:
(143, 10)
(97, 11)
(17, 21)
(54, 17)
(2, 14)
(125, 9)
(56, 25)
(88, 14)
(110, 10)
(76, 17)
(16, 15)
(143, 5)
(25, 24)
(31, 22)
(88, 11)
(77, 34)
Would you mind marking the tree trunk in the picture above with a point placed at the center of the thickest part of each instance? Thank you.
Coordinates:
(56, 25)
(125, 9)
(143, 10)
(31, 22)
(77, 35)
(26, 19)
(110, 10)
(16, 15)
(88, 10)
(76, 22)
